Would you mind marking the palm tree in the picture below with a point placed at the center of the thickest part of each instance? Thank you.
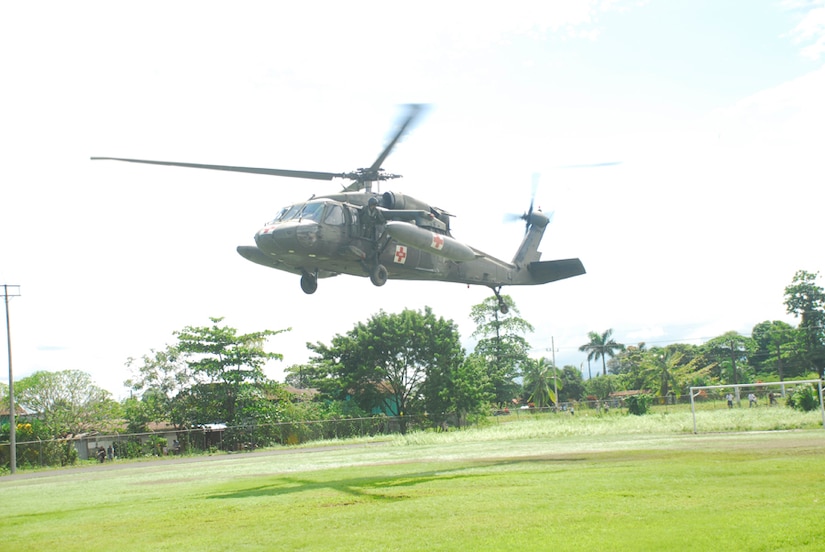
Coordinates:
(540, 378)
(665, 369)
(601, 346)
(661, 370)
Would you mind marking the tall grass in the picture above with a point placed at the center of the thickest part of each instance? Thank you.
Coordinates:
(673, 421)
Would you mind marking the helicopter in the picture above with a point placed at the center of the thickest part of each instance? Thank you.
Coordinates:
(383, 236)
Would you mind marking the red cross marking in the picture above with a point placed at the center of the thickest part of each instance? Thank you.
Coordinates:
(400, 254)
(438, 242)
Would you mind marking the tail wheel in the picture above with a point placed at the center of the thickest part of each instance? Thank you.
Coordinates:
(379, 275)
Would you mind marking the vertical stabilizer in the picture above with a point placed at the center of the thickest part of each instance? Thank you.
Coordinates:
(528, 251)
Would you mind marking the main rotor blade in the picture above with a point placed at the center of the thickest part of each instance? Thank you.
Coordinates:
(314, 175)
(414, 111)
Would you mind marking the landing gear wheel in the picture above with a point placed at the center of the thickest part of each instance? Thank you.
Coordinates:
(379, 275)
(309, 283)
(504, 309)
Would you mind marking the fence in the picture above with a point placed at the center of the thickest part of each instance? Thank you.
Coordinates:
(217, 437)
(212, 437)
(712, 398)
(568, 407)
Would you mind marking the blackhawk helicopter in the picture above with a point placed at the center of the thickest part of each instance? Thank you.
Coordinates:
(384, 235)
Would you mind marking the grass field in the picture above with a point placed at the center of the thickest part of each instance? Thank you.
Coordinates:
(586, 483)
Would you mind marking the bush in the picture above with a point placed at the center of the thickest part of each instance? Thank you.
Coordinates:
(131, 448)
(36, 447)
(638, 404)
(804, 398)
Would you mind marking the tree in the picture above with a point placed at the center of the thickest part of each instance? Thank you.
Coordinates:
(668, 371)
(384, 362)
(659, 367)
(774, 342)
(628, 365)
(318, 374)
(805, 299)
(229, 384)
(158, 379)
(501, 344)
(601, 387)
(729, 351)
(573, 384)
(460, 391)
(67, 402)
(626, 361)
(541, 381)
(601, 346)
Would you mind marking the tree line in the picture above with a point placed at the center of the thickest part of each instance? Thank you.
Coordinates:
(409, 365)
(775, 351)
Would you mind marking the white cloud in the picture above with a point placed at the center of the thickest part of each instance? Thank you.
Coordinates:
(810, 30)
(792, 112)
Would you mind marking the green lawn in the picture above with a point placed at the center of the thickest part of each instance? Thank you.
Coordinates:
(607, 483)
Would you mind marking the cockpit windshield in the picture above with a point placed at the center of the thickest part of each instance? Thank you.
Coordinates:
(312, 211)
(301, 211)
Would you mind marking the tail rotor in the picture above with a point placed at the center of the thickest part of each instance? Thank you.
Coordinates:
(527, 216)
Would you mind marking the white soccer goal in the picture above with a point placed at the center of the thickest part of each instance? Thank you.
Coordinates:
(736, 398)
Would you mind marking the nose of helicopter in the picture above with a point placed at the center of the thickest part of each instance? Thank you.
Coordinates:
(276, 239)
(285, 238)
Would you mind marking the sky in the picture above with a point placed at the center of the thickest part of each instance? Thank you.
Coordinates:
(713, 111)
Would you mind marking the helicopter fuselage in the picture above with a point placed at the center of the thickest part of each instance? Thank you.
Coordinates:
(326, 236)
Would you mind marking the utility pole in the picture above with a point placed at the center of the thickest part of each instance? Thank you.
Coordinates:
(555, 371)
(9, 292)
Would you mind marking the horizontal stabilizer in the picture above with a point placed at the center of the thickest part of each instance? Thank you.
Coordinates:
(551, 271)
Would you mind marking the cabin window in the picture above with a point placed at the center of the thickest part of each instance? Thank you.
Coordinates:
(352, 220)
(335, 215)
(353, 216)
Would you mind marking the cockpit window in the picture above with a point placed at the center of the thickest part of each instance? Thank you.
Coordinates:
(288, 213)
(301, 211)
(312, 211)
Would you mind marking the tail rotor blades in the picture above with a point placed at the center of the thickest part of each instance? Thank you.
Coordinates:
(527, 215)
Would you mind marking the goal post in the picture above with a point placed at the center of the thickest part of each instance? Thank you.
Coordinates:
(697, 391)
